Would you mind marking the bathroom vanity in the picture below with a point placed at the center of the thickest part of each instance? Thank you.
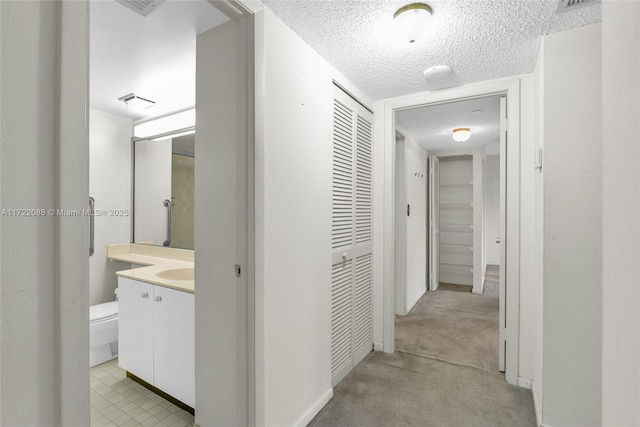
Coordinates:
(156, 335)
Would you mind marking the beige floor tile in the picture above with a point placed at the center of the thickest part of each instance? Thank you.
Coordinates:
(149, 422)
(118, 401)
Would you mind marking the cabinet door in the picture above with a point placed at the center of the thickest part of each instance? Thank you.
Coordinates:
(174, 344)
(135, 328)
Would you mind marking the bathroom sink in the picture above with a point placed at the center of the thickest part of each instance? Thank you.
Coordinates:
(176, 274)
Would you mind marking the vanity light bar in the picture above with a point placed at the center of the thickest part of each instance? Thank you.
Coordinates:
(170, 125)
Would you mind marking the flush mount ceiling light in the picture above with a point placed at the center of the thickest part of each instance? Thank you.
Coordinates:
(411, 21)
(461, 134)
(135, 102)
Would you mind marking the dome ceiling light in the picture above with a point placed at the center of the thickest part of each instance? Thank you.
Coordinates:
(461, 134)
(411, 21)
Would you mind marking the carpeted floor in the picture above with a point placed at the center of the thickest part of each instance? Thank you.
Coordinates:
(444, 371)
(454, 325)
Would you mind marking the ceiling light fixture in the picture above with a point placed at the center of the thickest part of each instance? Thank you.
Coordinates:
(461, 134)
(411, 21)
(135, 102)
(179, 122)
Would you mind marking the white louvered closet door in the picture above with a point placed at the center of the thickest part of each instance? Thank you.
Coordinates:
(351, 238)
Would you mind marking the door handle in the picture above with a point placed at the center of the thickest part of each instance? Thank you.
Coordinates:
(144, 295)
(158, 299)
(408, 210)
(92, 225)
(497, 240)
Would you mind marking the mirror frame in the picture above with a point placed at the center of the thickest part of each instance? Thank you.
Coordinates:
(134, 140)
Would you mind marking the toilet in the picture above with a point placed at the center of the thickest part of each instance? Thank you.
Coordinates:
(103, 332)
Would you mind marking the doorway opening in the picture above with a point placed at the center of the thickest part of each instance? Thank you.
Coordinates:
(447, 313)
(507, 94)
(152, 56)
(142, 73)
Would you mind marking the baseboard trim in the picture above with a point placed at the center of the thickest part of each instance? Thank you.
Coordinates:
(378, 346)
(314, 409)
(524, 383)
(537, 408)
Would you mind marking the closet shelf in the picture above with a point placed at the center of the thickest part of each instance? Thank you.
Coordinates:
(456, 206)
(456, 249)
(456, 228)
(465, 184)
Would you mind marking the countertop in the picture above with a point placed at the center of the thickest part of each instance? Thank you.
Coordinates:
(154, 260)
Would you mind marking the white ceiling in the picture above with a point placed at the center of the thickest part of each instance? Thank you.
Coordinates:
(153, 56)
(479, 39)
(432, 126)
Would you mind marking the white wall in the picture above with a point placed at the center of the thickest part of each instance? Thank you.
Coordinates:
(43, 306)
(491, 210)
(28, 322)
(621, 214)
(293, 225)
(572, 351)
(110, 186)
(416, 185)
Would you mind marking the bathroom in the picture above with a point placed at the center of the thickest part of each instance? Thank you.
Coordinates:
(142, 168)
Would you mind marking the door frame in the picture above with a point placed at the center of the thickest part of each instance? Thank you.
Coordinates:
(400, 241)
(385, 140)
(478, 220)
(73, 366)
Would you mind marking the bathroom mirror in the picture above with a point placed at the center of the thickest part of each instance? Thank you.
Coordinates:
(163, 197)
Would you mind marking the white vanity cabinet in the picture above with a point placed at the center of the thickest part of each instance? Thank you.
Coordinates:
(156, 337)
(135, 328)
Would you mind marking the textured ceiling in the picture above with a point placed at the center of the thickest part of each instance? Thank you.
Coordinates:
(479, 39)
(153, 56)
(431, 126)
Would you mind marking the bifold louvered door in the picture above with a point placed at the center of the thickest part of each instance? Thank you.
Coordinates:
(351, 238)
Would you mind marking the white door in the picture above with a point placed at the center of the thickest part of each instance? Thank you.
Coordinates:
(351, 236)
(400, 286)
(502, 348)
(434, 223)
(135, 328)
(174, 344)
(223, 199)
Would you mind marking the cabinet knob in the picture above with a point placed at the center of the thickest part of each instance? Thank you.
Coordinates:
(145, 295)
(158, 299)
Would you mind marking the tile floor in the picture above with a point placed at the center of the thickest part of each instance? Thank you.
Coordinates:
(117, 401)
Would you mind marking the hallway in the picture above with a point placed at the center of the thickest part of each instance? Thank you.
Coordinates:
(444, 371)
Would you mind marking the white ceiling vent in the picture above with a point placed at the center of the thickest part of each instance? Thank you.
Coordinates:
(142, 7)
(568, 5)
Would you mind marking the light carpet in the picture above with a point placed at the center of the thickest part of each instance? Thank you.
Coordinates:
(444, 371)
